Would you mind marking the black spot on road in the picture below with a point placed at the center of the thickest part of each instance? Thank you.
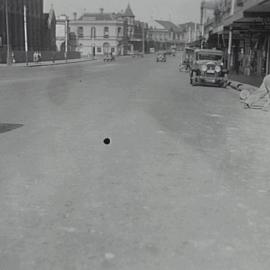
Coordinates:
(6, 127)
(107, 141)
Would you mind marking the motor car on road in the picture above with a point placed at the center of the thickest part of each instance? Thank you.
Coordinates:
(161, 57)
(109, 58)
(207, 68)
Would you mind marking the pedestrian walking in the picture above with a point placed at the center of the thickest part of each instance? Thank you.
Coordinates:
(13, 58)
(39, 57)
(53, 57)
(35, 57)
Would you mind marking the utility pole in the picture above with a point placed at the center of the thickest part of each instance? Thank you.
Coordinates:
(66, 39)
(7, 30)
(143, 39)
(232, 7)
(268, 57)
(230, 48)
(25, 35)
(230, 36)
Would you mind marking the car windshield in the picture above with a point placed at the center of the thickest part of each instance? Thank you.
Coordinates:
(210, 56)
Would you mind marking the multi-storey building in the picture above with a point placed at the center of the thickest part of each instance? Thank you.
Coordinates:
(164, 34)
(49, 31)
(62, 29)
(190, 32)
(139, 39)
(40, 29)
(101, 33)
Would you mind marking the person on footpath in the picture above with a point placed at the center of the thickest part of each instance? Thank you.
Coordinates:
(263, 93)
(35, 57)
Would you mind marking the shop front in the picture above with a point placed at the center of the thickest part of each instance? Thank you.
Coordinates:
(245, 38)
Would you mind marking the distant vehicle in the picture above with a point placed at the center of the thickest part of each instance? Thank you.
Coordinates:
(161, 57)
(173, 49)
(109, 57)
(207, 68)
(168, 52)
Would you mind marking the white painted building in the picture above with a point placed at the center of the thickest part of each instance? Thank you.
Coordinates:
(101, 33)
(61, 32)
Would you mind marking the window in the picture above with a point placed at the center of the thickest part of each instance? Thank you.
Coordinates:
(93, 32)
(119, 32)
(211, 56)
(99, 49)
(112, 50)
(80, 32)
(106, 32)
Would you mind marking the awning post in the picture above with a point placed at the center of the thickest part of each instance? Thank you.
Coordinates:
(229, 48)
(268, 56)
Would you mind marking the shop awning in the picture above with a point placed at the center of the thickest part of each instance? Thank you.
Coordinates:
(262, 11)
(258, 9)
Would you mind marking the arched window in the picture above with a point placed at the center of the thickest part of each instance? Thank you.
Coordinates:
(93, 32)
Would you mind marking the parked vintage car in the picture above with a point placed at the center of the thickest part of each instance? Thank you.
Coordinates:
(207, 68)
(161, 57)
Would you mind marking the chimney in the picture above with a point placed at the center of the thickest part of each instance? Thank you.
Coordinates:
(101, 10)
(75, 16)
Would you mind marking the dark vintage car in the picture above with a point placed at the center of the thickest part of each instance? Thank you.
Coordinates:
(207, 68)
(161, 57)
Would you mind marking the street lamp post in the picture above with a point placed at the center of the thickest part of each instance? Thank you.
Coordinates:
(7, 30)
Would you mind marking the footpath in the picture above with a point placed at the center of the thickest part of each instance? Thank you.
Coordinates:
(254, 93)
(51, 63)
(249, 80)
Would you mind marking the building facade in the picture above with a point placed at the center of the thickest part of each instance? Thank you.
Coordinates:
(35, 19)
(49, 31)
(139, 40)
(190, 32)
(102, 33)
(62, 29)
(242, 29)
(165, 34)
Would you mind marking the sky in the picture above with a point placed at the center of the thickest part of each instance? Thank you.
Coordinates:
(178, 11)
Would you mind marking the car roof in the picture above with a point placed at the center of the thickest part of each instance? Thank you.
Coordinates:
(213, 51)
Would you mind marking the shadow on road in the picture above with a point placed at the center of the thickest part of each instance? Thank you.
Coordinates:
(6, 127)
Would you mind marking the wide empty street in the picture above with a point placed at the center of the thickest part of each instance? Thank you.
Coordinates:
(184, 183)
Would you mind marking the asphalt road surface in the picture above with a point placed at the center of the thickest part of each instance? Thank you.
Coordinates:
(184, 183)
